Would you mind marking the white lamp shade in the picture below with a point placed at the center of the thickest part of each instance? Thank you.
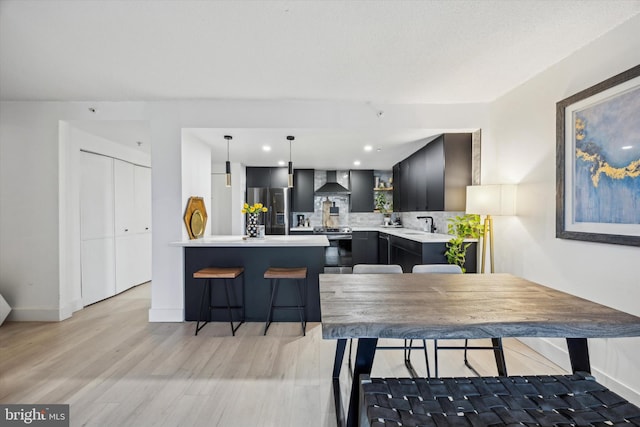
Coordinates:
(499, 199)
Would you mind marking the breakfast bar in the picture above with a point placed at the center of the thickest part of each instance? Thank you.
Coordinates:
(255, 256)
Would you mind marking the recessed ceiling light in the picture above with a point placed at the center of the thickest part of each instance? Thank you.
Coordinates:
(280, 162)
(266, 148)
(356, 163)
(379, 150)
(627, 147)
(368, 148)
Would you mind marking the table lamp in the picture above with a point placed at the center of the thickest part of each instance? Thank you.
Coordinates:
(498, 199)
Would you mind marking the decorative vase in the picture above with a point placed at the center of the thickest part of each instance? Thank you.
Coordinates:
(252, 225)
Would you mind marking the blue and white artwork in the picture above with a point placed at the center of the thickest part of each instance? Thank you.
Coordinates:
(607, 161)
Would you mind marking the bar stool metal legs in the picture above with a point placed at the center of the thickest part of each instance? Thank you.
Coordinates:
(227, 274)
(300, 276)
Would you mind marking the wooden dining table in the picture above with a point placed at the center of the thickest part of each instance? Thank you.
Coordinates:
(456, 306)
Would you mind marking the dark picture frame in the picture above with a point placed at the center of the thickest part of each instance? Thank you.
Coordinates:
(584, 211)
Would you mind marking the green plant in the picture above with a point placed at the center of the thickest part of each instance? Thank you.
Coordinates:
(382, 204)
(462, 227)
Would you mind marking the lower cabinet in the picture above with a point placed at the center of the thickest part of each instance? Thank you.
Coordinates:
(372, 247)
(364, 247)
(408, 253)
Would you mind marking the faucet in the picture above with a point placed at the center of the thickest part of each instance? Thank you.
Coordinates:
(427, 228)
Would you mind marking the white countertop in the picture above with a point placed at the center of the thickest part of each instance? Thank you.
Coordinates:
(412, 234)
(268, 241)
(301, 228)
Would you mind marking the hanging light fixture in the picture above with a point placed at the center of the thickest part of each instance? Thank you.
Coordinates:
(290, 138)
(228, 164)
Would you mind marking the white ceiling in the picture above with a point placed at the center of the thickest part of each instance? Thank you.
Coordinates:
(380, 52)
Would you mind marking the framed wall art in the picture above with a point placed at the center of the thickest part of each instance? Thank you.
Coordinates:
(598, 162)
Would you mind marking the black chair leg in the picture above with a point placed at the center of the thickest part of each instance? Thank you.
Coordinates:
(301, 308)
(274, 292)
(206, 285)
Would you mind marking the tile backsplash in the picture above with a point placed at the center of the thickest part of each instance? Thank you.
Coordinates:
(356, 219)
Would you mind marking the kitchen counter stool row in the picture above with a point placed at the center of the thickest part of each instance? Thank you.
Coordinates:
(227, 277)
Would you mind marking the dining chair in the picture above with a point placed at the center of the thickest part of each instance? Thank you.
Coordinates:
(390, 269)
(451, 269)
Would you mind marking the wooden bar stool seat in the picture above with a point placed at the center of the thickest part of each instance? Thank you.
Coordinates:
(299, 274)
(227, 274)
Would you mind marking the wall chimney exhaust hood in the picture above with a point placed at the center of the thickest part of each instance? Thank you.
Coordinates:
(332, 186)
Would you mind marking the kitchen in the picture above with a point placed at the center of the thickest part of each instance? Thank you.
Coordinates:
(352, 191)
(341, 206)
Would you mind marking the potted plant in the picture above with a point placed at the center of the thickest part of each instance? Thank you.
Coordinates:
(382, 204)
(462, 227)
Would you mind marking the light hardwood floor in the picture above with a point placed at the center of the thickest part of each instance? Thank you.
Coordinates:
(115, 368)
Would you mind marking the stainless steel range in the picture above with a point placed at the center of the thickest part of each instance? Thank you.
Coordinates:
(337, 256)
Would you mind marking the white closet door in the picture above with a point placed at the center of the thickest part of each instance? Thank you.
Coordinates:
(142, 204)
(96, 196)
(98, 270)
(96, 228)
(123, 181)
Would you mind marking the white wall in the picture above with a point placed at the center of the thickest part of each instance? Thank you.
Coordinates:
(196, 177)
(35, 216)
(520, 147)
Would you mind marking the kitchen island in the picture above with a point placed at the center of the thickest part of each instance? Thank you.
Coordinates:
(255, 256)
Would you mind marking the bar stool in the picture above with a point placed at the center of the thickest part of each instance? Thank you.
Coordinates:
(214, 273)
(275, 274)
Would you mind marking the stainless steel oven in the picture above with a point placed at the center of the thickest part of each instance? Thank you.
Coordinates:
(338, 255)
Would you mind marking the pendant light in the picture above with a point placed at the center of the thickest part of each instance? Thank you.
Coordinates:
(228, 164)
(290, 138)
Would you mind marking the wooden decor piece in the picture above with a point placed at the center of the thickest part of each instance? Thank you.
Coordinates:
(195, 217)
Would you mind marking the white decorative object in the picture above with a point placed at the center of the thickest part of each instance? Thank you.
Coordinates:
(4, 309)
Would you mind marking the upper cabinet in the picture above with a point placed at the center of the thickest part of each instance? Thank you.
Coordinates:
(361, 184)
(302, 195)
(267, 177)
(423, 183)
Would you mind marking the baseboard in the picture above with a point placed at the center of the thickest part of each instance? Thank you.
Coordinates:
(35, 315)
(166, 315)
(68, 310)
(560, 356)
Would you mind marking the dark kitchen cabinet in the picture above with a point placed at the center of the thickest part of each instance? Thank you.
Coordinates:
(405, 253)
(384, 247)
(364, 247)
(361, 184)
(425, 184)
(267, 177)
(279, 177)
(396, 188)
(408, 253)
(302, 194)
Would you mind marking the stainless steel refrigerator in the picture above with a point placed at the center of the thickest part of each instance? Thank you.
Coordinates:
(276, 219)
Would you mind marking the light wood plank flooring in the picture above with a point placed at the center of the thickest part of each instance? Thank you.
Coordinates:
(116, 369)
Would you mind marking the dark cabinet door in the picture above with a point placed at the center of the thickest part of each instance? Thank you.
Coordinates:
(267, 177)
(383, 248)
(258, 177)
(361, 186)
(405, 253)
(434, 175)
(364, 247)
(406, 185)
(279, 177)
(419, 178)
(302, 197)
(396, 189)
